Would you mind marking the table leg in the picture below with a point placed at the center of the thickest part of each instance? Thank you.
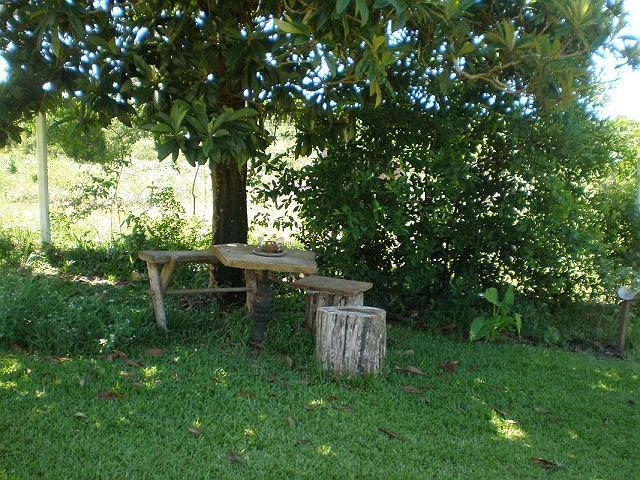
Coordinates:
(250, 280)
(167, 274)
(157, 295)
(261, 307)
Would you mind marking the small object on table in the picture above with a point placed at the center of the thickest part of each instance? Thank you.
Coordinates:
(270, 248)
(259, 285)
(626, 297)
(329, 292)
(351, 340)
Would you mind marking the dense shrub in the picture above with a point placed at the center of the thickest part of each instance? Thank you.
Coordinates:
(431, 203)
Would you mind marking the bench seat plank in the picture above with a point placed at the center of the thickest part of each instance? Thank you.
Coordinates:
(332, 285)
(181, 256)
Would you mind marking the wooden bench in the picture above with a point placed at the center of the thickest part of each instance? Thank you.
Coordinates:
(329, 292)
(161, 265)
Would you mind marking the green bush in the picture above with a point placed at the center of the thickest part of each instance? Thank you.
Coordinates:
(432, 204)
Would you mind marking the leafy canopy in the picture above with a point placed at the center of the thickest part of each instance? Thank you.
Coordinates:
(202, 74)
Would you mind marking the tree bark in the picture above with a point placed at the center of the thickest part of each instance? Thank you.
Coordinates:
(229, 220)
(351, 340)
(315, 300)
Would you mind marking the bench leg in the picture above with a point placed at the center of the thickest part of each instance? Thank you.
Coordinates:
(156, 295)
(261, 307)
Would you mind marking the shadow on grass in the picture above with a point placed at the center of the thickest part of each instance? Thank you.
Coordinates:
(253, 417)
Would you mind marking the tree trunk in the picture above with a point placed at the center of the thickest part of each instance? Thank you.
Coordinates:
(351, 340)
(229, 221)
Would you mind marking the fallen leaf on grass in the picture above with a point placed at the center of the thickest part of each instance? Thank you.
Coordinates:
(410, 369)
(345, 409)
(545, 463)
(331, 398)
(233, 457)
(450, 367)
(134, 380)
(116, 355)
(390, 434)
(194, 431)
(289, 361)
(81, 416)
(410, 389)
(502, 413)
(154, 352)
(291, 423)
(109, 395)
(50, 359)
(134, 363)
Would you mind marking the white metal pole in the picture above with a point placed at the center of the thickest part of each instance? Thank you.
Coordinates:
(43, 177)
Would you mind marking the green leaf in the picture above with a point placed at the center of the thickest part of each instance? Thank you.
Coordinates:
(509, 298)
(292, 27)
(157, 128)
(491, 295)
(76, 25)
(196, 123)
(363, 11)
(467, 47)
(377, 42)
(341, 6)
(55, 44)
(178, 111)
(479, 329)
(242, 113)
(167, 148)
(518, 323)
(141, 65)
(220, 133)
(219, 120)
(130, 84)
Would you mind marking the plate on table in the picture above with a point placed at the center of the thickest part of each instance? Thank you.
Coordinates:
(257, 251)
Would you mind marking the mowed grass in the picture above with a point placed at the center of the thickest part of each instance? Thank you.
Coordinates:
(269, 416)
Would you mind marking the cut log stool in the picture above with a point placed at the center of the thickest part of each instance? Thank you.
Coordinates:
(329, 292)
(351, 340)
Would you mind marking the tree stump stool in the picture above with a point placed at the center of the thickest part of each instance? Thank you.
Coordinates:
(351, 340)
(329, 292)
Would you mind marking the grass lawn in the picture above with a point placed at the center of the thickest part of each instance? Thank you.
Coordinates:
(206, 408)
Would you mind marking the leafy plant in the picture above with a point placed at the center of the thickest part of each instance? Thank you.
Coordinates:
(491, 327)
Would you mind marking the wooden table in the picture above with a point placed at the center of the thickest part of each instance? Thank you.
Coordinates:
(258, 283)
